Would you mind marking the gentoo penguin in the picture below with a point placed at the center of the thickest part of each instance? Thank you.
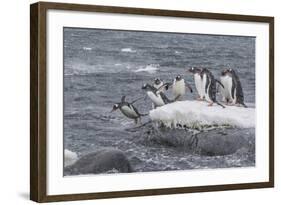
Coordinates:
(128, 110)
(158, 83)
(210, 90)
(178, 88)
(158, 98)
(198, 80)
(233, 90)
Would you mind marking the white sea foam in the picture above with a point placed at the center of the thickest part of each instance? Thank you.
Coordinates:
(87, 48)
(194, 113)
(128, 50)
(69, 157)
(149, 68)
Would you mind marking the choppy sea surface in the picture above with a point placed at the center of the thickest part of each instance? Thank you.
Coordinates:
(102, 65)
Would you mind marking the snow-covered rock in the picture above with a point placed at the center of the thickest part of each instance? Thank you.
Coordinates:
(197, 113)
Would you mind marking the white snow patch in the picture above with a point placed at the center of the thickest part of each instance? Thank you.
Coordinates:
(196, 113)
(69, 157)
(149, 68)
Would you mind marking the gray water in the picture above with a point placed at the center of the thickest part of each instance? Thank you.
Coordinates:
(100, 66)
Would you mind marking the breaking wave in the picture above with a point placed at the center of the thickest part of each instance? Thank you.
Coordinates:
(152, 68)
(87, 48)
(128, 50)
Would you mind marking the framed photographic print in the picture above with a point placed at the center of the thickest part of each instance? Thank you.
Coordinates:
(134, 102)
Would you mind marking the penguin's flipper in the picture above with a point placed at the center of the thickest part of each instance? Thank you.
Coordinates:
(220, 104)
(176, 98)
(234, 85)
(143, 114)
(219, 82)
(166, 99)
(123, 98)
(245, 106)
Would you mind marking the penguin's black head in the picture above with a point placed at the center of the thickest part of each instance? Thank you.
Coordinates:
(115, 107)
(157, 81)
(195, 70)
(191, 70)
(178, 78)
(224, 72)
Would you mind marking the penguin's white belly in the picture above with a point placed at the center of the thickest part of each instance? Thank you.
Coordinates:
(226, 91)
(178, 88)
(129, 112)
(156, 99)
(199, 85)
(205, 91)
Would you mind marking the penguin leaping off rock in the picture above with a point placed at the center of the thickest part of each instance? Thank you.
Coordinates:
(128, 109)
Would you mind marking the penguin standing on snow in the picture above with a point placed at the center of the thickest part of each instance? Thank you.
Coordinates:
(158, 98)
(198, 80)
(128, 110)
(210, 90)
(178, 87)
(233, 86)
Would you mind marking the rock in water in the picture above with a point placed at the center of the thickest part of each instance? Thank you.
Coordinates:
(214, 145)
(211, 143)
(101, 161)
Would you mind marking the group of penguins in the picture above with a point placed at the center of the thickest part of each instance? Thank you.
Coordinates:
(206, 85)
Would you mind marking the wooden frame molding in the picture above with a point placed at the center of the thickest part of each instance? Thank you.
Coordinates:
(38, 100)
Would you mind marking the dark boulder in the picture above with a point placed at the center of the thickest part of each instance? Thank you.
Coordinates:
(213, 145)
(102, 161)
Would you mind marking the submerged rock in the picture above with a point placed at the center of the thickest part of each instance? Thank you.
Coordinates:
(214, 142)
(212, 145)
(102, 161)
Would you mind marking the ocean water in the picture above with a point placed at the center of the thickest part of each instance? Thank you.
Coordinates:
(102, 65)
